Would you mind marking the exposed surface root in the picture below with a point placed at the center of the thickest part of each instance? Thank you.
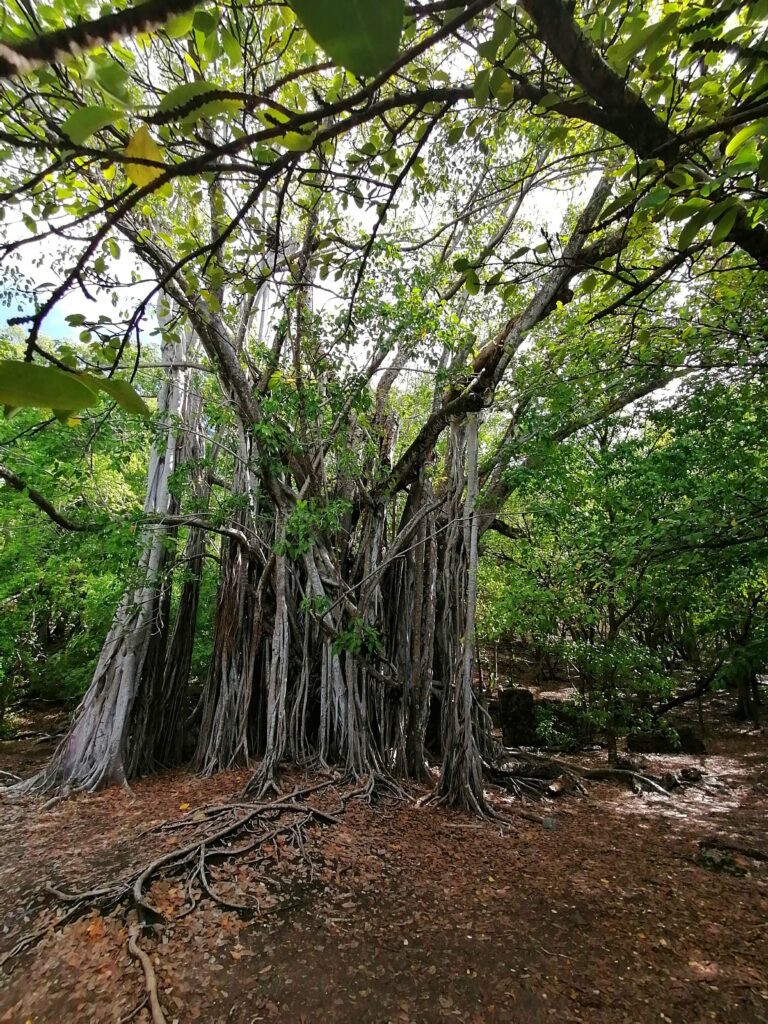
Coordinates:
(244, 830)
(483, 810)
(632, 779)
(726, 845)
(136, 1010)
(526, 773)
(32, 938)
(158, 1017)
(619, 898)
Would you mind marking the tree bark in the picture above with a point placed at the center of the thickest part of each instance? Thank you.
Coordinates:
(96, 750)
(461, 777)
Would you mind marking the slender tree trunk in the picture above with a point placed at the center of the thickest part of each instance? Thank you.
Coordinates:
(461, 778)
(96, 749)
(157, 731)
(277, 684)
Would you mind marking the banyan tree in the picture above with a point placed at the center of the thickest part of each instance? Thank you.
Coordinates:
(349, 272)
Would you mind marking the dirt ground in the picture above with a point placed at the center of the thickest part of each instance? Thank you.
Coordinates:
(407, 913)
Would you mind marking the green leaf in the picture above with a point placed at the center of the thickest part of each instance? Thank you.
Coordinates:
(472, 283)
(488, 50)
(652, 35)
(743, 136)
(693, 227)
(454, 135)
(505, 91)
(205, 21)
(296, 142)
(746, 160)
(42, 387)
(180, 26)
(679, 178)
(232, 47)
(110, 76)
(497, 80)
(589, 284)
(363, 37)
(618, 203)
(658, 197)
(120, 391)
(688, 208)
(82, 123)
(724, 225)
(482, 87)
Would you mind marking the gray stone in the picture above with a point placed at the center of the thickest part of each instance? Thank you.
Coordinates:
(518, 717)
(662, 742)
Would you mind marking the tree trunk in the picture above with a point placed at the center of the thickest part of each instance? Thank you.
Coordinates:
(461, 778)
(157, 738)
(96, 750)
(226, 735)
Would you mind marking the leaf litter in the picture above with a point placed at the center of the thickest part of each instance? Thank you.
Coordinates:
(389, 911)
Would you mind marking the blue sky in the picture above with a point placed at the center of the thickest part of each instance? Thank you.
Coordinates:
(54, 326)
(40, 264)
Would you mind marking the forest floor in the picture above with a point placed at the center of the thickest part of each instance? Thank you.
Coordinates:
(406, 914)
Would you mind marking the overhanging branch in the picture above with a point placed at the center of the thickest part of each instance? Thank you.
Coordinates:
(20, 58)
(16, 482)
(629, 116)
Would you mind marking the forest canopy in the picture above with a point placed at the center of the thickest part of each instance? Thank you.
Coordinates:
(343, 336)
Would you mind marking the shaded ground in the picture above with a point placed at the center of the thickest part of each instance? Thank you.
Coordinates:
(412, 914)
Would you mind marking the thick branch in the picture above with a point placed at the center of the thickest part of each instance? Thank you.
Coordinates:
(42, 503)
(490, 364)
(701, 688)
(505, 530)
(629, 116)
(197, 523)
(20, 58)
